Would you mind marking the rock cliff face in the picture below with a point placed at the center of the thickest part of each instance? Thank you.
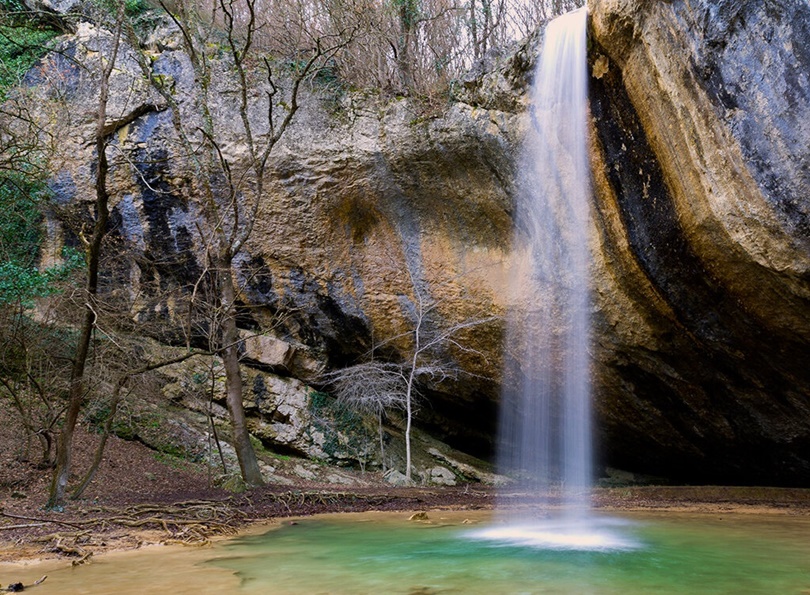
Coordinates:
(702, 171)
(371, 204)
(701, 238)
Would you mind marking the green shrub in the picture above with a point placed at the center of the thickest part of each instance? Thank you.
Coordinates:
(21, 236)
(21, 46)
(333, 419)
(135, 8)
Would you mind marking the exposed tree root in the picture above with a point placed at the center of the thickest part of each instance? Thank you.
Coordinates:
(193, 522)
(197, 522)
(18, 587)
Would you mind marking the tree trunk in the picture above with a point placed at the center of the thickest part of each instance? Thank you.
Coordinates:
(76, 394)
(407, 24)
(248, 463)
(99, 455)
(409, 414)
(65, 442)
(382, 439)
(476, 42)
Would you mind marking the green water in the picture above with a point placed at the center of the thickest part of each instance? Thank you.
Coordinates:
(660, 554)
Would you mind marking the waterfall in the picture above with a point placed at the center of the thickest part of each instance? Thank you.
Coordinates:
(545, 429)
(545, 434)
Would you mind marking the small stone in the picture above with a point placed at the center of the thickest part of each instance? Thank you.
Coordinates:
(419, 516)
(16, 494)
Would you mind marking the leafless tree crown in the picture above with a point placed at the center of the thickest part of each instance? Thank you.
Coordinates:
(412, 46)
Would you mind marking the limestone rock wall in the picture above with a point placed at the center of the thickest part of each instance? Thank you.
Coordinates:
(370, 202)
(701, 114)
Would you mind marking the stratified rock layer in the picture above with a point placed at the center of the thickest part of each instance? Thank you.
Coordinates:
(701, 116)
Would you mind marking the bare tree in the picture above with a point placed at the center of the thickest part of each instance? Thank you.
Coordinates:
(33, 375)
(219, 40)
(370, 388)
(93, 257)
(425, 348)
(421, 46)
(404, 46)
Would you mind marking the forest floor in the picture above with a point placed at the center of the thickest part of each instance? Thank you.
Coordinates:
(139, 497)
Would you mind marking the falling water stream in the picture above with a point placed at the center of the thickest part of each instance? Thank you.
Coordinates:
(545, 429)
(545, 433)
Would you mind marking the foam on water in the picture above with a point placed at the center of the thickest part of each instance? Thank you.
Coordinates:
(588, 534)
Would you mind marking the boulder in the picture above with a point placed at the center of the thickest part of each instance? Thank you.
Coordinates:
(441, 476)
(289, 416)
(396, 478)
(278, 355)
